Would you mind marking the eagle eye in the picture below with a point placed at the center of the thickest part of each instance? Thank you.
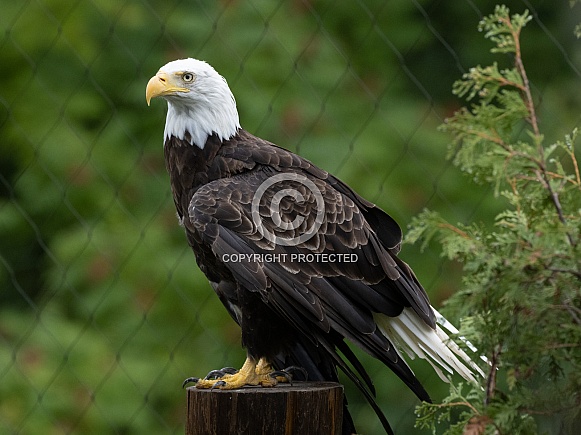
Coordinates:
(187, 77)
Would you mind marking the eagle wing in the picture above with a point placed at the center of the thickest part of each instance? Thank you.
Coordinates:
(247, 218)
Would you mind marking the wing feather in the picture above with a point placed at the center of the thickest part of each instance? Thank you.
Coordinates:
(321, 299)
(325, 296)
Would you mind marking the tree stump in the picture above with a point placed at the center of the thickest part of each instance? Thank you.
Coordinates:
(303, 408)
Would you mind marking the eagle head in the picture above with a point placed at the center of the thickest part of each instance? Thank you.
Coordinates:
(199, 101)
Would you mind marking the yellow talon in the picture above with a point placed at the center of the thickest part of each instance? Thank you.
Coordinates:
(251, 373)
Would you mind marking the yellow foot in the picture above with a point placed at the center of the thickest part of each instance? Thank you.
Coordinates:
(251, 373)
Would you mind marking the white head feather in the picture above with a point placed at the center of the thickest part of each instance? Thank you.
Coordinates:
(207, 107)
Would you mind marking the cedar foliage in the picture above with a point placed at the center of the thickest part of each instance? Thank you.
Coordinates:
(521, 300)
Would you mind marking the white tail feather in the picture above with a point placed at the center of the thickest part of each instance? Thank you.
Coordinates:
(416, 338)
(453, 330)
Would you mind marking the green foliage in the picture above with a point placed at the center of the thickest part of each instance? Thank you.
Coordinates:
(521, 297)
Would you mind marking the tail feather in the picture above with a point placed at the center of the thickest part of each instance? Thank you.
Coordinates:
(453, 330)
(416, 338)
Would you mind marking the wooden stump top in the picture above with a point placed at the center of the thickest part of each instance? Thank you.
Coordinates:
(302, 408)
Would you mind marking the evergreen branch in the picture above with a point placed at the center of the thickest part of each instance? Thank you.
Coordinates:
(494, 139)
(503, 81)
(566, 179)
(521, 295)
(455, 404)
(575, 273)
(543, 178)
(575, 166)
(568, 307)
(491, 380)
(573, 311)
(570, 150)
(447, 226)
(526, 88)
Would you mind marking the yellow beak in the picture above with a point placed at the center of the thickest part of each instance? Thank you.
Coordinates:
(162, 84)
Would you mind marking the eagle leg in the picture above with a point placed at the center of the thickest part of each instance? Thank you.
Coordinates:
(251, 373)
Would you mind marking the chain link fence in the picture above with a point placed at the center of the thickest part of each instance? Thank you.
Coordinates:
(103, 311)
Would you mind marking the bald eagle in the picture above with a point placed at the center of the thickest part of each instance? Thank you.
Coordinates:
(300, 261)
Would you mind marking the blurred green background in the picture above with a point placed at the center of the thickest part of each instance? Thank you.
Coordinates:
(103, 311)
